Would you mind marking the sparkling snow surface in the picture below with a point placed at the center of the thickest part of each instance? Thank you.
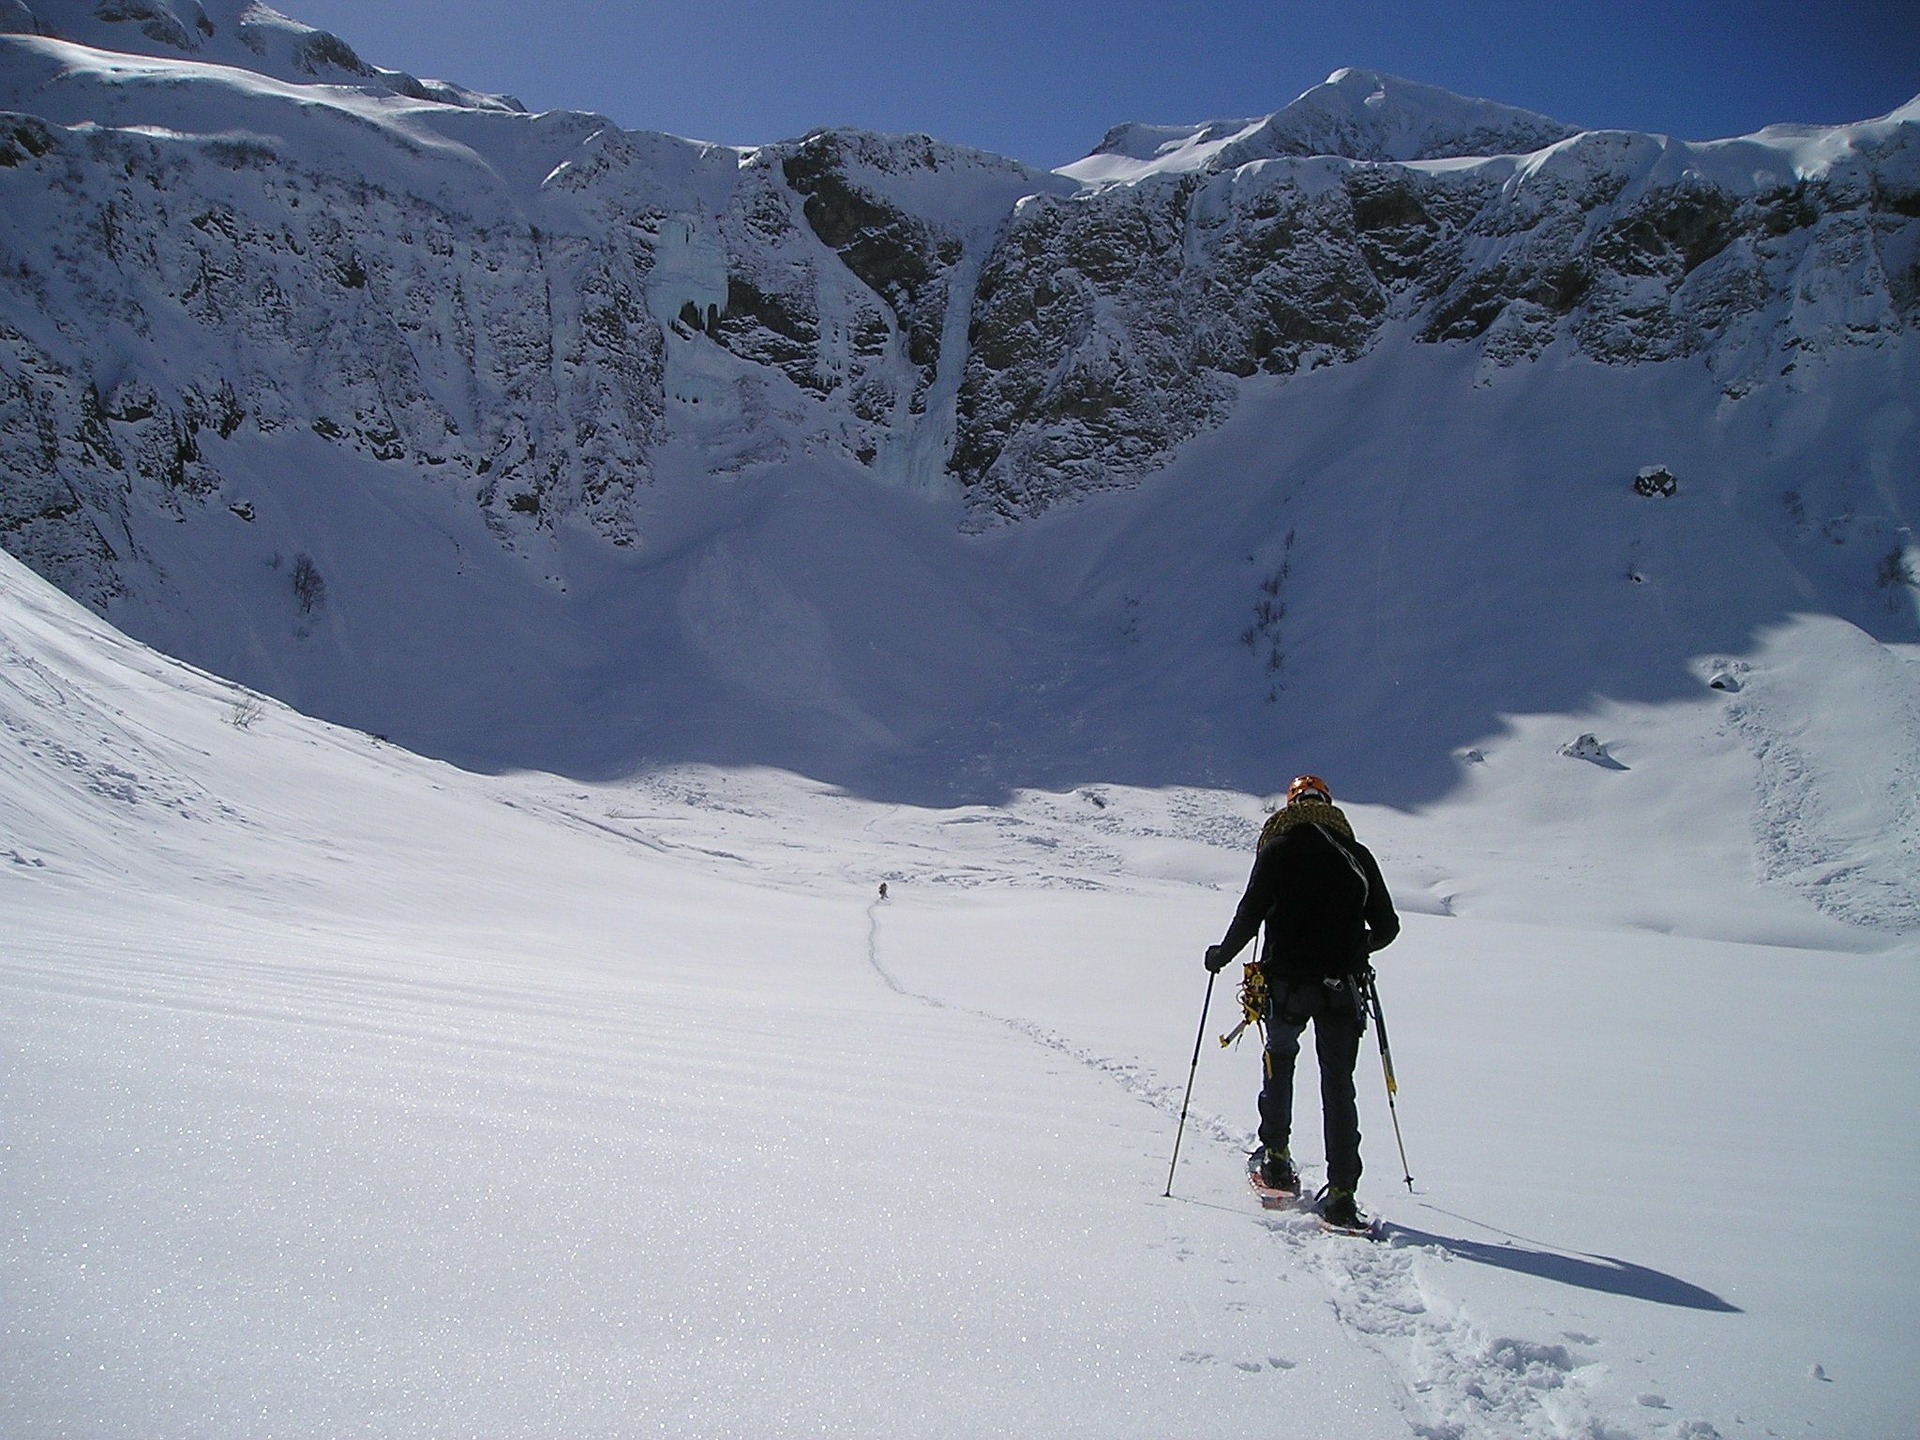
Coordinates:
(347, 1092)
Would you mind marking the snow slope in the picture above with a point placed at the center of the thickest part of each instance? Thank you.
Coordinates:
(353, 1092)
(242, 34)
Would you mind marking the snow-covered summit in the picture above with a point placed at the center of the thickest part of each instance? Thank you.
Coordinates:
(1354, 114)
(244, 34)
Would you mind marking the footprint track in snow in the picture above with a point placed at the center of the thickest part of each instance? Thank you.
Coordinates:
(1461, 1382)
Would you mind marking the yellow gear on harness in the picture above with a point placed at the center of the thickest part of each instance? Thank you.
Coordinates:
(1253, 1004)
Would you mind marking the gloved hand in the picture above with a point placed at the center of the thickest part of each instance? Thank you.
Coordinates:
(1217, 959)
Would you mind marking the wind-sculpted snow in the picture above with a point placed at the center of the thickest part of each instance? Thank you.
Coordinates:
(243, 33)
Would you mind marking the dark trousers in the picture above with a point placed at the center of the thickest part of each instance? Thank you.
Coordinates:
(1337, 1028)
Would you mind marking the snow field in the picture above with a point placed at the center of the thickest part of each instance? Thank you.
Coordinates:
(360, 1099)
(351, 1091)
(1597, 1125)
(347, 1091)
(439, 1181)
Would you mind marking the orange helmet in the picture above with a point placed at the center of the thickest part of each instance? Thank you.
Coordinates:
(1306, 786)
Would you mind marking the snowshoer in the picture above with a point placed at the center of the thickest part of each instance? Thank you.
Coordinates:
(1319, 892)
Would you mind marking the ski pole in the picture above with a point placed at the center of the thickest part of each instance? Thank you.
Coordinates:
(1192, 1070)
(1386, 1067)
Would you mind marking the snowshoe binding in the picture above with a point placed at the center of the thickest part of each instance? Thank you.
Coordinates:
(1341, 1213)
(1273, 1178)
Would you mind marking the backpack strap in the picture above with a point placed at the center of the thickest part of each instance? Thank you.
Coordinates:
(1366, 888)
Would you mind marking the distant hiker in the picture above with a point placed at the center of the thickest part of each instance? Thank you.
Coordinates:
(883, 889)
(1319, 893)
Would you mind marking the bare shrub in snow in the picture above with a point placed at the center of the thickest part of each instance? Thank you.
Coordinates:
(309, 587)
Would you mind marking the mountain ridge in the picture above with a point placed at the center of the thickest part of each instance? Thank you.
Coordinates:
(245, 34)
(529, 441)
(1354, 114)
(1504, 251)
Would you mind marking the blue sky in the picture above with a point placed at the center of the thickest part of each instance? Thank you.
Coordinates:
(1042, 80)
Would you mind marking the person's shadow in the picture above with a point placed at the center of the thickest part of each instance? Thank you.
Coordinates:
(1590, 1272)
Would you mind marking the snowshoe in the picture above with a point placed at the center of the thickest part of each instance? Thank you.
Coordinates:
(1339, 1212)
(1273, 1179)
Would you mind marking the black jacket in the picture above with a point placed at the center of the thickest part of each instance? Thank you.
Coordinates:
(1323, 902)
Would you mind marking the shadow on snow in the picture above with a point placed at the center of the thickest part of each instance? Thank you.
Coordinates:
(1604, 1273)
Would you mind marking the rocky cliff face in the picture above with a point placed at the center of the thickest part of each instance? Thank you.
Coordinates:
(1110, 322)
(529, 311)
(204, 251)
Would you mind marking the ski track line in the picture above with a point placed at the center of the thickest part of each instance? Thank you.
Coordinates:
(1461, 1383)
(1135, 1079)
